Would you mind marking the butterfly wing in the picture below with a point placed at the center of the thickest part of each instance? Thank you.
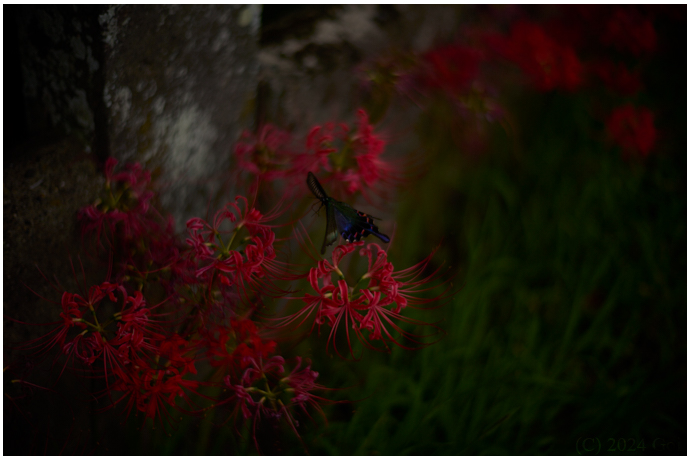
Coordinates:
(343, 219)
(316, 188)
(331, 227)
(354, 225)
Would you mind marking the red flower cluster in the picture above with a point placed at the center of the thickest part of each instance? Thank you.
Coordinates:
(549, 64)
(266, 390)
(126, 346)
(617, 77)
(373, 303)
(123, 207)
(265, 155)
(237, 260)
(351, 157)
(628, 30)
(123, 221)
(451, 68)
(576, 42)
(235, 347)
(632, 129)
(389, 75)
(171, 309)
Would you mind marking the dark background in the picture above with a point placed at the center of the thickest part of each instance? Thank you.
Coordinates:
(569, 324)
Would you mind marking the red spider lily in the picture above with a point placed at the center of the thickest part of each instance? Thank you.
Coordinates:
(241, 261)
(632, 129)
(351, 158)
(617, 77)
(549, 64)
(302, 382)
(153, 391)
(203, 235)
(265, 154)
(319, 146)
(373, 303)
(133, 175)
(629, 30)
(99, 336)
(371, 170)
(157, 248)
(451, 68)
(74, 308)
(152, 381)
(232, 348)
(265, 391)
(123, 208)
(266, 401)
(395, 73)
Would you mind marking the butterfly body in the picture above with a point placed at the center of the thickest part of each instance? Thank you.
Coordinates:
(343, 219)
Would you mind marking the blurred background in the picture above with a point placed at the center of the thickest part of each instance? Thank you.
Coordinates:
(544, 153)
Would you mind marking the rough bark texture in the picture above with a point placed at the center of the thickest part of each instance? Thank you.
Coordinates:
(179, 85)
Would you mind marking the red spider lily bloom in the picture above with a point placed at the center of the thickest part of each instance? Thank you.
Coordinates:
(123, 208)
(371, 169)
(392, 73)
(86, 348)
(202, 235)
(374, 302)
(617, 77)
(127, 338)
(302, 383)
(451, 68)
(319, 146)
(632, 129)
(153, 391)
(549, 64)
(235, 346)
(264, 154)
(220, 249)
(629, 30)
(135, 322)
(107, 341)
(351, 158)
(133, 175)
(177, 351)
(74, 308)
(152, 381)
(253, 401)
(265, 391)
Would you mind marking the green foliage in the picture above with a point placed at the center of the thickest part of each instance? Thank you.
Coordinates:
(570, 317)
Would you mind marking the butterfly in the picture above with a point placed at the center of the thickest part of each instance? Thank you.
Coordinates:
(342, 218)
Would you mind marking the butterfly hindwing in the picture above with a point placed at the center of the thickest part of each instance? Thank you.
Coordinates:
(354, 225)
(331, 227)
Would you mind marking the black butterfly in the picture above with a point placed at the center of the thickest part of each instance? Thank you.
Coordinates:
(341, 218)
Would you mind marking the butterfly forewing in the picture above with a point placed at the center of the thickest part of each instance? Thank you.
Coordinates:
(316, 188)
